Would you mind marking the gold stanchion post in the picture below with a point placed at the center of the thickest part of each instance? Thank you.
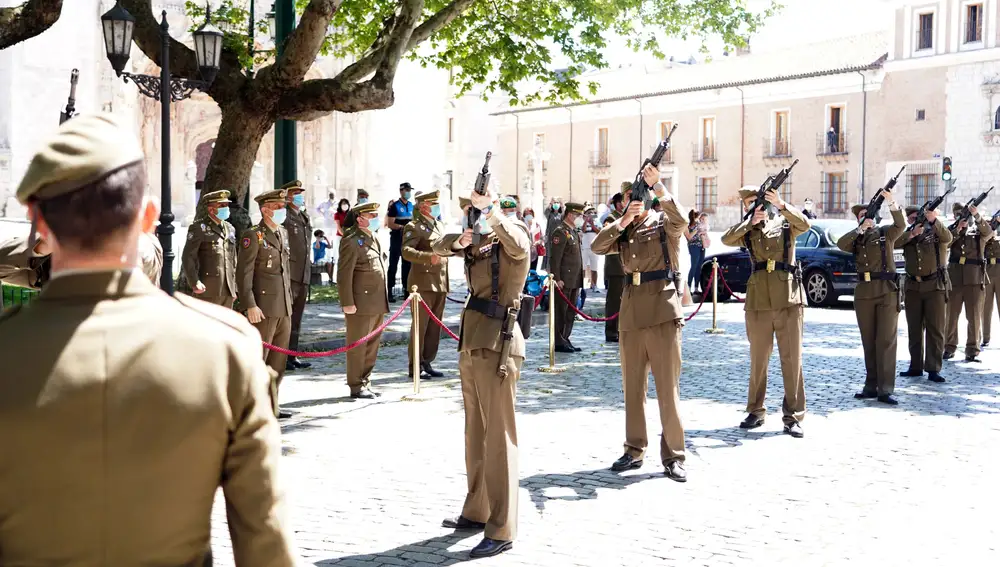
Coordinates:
(415, 339)
(715, 330)
(551, 368)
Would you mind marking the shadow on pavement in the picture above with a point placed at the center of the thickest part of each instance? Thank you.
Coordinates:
(429, 551)
(723, 438)
(584, 484)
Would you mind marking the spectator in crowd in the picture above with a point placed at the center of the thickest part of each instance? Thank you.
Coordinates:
(326, 210)
(588, 234)
(697, 236)
(321, 246)
(537, 242)
(807, 209)
(340, 218)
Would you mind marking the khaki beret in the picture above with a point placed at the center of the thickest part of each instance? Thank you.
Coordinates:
(84, 150)
(365, 208)
(574, 208)
(957, 208)
(912, 210)
(221, 196)
(626, 185)
(856, 209)
(464, 202)
(292, 187)
(428, 197)
(272, 196)
(748, 191)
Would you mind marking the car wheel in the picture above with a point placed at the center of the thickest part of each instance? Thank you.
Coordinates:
(706, 275)
(819, 290)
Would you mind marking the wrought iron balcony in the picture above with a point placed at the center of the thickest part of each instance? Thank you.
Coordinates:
(831, 144)
(599, 159)
(703, 151)
(777, 147)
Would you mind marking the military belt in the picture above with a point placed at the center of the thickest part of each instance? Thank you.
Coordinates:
(993, 261)
(770, 266)
(962, 261)
(639, 278)
(877, 276)
(935, 276)
(488, 307)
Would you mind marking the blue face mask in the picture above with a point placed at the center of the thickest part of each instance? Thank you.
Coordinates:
(362, 200)
(299, 200)
(374, 224)
(222, 213)
(484, 225)
(279, 216)
(436, 211)
(406, 195)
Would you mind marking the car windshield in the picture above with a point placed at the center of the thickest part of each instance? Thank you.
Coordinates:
(837, 228)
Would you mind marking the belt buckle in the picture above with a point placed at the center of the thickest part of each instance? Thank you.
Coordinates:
(770, 266)
(636, 278)
(868, 276)
(961, 261)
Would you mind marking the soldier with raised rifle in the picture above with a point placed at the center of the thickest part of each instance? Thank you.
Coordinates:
(967, 270)
(992, 297)
(429, 274)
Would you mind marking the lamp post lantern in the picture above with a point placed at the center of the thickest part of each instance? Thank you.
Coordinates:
(118, 26)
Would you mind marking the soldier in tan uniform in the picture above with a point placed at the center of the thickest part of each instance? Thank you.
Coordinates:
(299, 229)
(925, 250)
(496, 270)
(876, 297)
(566, 269)
(429, 274)
(614, 273)
(992, 255)
(21, 268)
(650, 323)
(208, 260)
(150, 403)
(262, 276)
(361, 270)
(967, 270)
(774, 305)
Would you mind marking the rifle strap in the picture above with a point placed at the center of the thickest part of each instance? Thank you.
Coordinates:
(495, 272)
(663, 245)
(786, 244)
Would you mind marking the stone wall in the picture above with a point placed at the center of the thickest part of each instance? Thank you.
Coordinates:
(973, 95)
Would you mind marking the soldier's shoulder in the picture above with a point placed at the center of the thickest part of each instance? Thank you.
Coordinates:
(203, 312)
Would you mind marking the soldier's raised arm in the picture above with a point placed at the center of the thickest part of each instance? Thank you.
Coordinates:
(985, 230)
(898, 226)
(513, 235)
(797, 220)
(606, 241)
(941, 230)
(846, 242)
(734, 236)
(674, 221)
(189, 256)
(411, 237)
(349, 250)
(245, 262)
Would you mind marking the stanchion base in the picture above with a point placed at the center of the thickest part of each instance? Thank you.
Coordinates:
(551, 370)
(714, 331)
(416, 397)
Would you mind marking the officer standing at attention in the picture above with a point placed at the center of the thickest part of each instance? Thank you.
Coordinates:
(774, 304)
(614, 274)
(491, 352)
(209, 257)
(992, 255)
(361, 283)
(262, 276)
(926, 293)
(650, 322)
(876, 297)
(968, 280)
(148, 402)
(430, 276)
(566, 269)
(299, 230)
(400, 213)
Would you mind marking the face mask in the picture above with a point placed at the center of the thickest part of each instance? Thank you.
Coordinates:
(222, 213)
(278, 217)
(345, 208)
(555, 206)
(299, 200)
(406, 195)
(528, 218)
(512, 215)
(374, 224)
(362, 200)
(578, 222)
(436, 211)
(484, 226)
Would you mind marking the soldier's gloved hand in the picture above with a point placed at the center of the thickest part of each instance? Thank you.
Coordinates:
(775, 199)
(650, 175)
(918, 230)
(887, 195)
(560, 284)
(255, 315)
(866, 225)
(963, 224)
(350, 309)
(973, 210)
(199, 288)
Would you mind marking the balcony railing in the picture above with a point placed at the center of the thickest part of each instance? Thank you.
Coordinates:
(703, 151)
(599, 158)
(777, 147)
(531, 165)
(828, 144)
(668, 158)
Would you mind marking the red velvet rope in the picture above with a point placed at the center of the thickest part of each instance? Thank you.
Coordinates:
(346, 348)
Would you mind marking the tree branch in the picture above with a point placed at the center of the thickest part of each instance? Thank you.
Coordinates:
(27, 20)
(398, 41)
(302, 46)
(318, 97)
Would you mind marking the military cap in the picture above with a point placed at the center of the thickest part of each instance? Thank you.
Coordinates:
(626, 185)
(84, 150)
(574, 208)
(405, 185)
(221, 196)
(428, 197)
(508, 202)
(273, 196)
(464, 202)
(293, 187)
(589, 209)
(362, 193)
(856, 209)
(912, 210)
(748, 191)
(957, 208)
(365, 208)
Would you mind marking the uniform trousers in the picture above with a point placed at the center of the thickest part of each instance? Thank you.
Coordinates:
(762, 328)
(972, 298)
(656, 349)
(222, 300)
(926, 315)
(991, 298)
(615, 285)
(275, 331)
(395, 257)
(430, 333)
(300, 292)
(877, 321)
(565, 316)
(361, 360)
(490, 441)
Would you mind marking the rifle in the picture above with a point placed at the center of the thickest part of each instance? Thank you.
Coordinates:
(482, 180)
(70, 111)
(773, 182)
(640, 189)
(965, 214)
(995, 221)
(931, 205)
(877, 199)
(506, 335)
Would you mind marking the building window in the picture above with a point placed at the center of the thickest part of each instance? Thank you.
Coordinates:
(921, 188)
(920, 115)
(664, 130)
(602, 190)
(708, 139)
(925, 31)
(833, 194)
(706, 194)
(599, 157)
(785, 191)
(780, 146)
(451, 130)
(973, 23)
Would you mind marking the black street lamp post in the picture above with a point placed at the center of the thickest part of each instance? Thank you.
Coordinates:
(118, 25)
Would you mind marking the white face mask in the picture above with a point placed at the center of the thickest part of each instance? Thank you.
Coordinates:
(578, 222)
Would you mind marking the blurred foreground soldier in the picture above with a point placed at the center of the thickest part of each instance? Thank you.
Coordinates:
(992, 255)
(926, 292)
(209, 257)
(614, 273)
(967, 270)
(21, 267)
(566, 269)
(650, 323)
(491, 351)
(876, 297)
(134, 407)
(774, 304)
(361, 281)
(262, 276)
(429, 274)
(150, 257)
(299, 229)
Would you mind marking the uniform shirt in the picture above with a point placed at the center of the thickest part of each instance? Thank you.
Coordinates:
(209, 257)
(361, 272)
(656, 302)
(418, 237)
(299, 232)
(777, 289)
(150, 256)
(262, 273)
(566, 257)
(477, 330)
(19, 267)
(921, 257)
(402, 213)
(132, 410)
(868, 255)
(971, 248)
(992, 255)
(612, 263)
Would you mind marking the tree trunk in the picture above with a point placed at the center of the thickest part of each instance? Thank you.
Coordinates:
(27, 20)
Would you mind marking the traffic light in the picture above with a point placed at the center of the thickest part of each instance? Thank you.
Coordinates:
(946, 169)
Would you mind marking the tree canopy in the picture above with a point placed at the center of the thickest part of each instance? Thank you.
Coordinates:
(27, 20)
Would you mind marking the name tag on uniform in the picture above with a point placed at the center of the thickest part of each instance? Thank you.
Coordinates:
(269, 263)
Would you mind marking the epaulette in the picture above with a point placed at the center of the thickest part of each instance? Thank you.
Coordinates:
(221, 314)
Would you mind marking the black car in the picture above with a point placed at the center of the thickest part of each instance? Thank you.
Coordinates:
(827, 271)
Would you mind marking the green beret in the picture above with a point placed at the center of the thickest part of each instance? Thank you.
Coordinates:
(272, 196)
(428, 197)
(508, 203)
(365, 208)
(574, 208)
(221, 196)
(84, 150)
(464, 202)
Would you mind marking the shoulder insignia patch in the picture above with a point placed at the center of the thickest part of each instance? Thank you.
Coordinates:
(190, 235)
(203, 227)
(555, 240)
(260, 237)
(246, 243)
(361, 242)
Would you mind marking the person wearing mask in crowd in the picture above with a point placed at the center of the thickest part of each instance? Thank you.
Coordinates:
(807, 209)
(588, 232)
(320, 247)
(327, 209)
(398, 215)
(537, 242)
(696, 248)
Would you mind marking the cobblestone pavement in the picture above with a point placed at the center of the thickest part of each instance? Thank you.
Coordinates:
(370, 482)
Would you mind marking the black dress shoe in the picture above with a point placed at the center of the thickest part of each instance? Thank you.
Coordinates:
(751, 422)
(794, 429)
(363, 394)
(911, 373)
(611, 339)
(290, 366)
(674, 470)
(887, 399)
(300, 364)
(972, 358)
(490, 547)
(565, 349)
(865, 395)
(284, 414)
(428, 370)
(935, 377)
(575, 348)
(463, 523)
(626, 462)
(949, 355)
(985, 344)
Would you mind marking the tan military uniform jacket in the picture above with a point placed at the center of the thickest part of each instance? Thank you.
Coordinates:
(777, 289)
(992, 255)
(361, 273)
(418, 236)
(299, 231)
(566, 258)
(133, 408)
(511, 235)
(150, 256)
(921, 257)
(262, 272)
(18, 266)
(209, 257)
(964, 246)
(612, 263)
(656, 302)
(868, 255)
